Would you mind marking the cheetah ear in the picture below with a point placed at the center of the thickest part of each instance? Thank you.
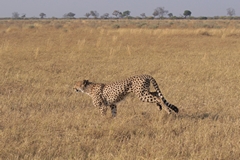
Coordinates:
(85, 82)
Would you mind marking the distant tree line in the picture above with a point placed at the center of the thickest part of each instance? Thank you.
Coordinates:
(159, 12)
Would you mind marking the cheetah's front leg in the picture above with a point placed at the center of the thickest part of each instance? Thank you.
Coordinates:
(98, 103)
(113, 110)
(103, 110)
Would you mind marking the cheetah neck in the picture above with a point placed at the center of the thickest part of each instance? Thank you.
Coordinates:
(88, 89)
(91, 88)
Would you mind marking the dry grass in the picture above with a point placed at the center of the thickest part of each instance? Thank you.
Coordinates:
(196, 67)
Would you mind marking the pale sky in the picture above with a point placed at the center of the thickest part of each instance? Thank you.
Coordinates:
(57, 8)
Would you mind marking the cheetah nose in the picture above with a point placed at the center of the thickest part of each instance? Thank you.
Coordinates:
(79, 90)
(76, 89)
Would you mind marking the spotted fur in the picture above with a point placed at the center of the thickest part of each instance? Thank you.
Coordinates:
(104, 95)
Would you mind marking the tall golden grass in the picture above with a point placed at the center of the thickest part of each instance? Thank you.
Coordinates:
(196, 64)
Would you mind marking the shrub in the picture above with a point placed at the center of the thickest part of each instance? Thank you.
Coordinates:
(141, 25)
(151, 17)
(31, 26)
(203, 18)
(116, 26)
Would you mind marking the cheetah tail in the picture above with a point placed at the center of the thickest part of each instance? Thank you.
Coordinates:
(155, 85)
(173, 107)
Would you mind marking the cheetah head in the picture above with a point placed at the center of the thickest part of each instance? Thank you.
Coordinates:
(80, 86)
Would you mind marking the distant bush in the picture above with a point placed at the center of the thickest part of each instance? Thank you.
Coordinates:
(175, 17)
(31, 26)
(151, 17)
(203, 18)
(58, 26)
(128, 17)
(153, 26)
(138, 17)
(116, 26)
(205, 33)
(141, 25)
(208, 26)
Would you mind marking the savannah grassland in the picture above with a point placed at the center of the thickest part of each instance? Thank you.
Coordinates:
(196, 64)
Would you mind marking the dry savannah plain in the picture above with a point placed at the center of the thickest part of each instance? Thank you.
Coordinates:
(195, 62)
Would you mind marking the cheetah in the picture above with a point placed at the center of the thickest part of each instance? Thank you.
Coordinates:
(104, 95)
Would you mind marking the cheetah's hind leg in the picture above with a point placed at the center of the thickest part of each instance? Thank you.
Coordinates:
(171, 106)
(153, 97)
(160, 106)
(156, 95)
